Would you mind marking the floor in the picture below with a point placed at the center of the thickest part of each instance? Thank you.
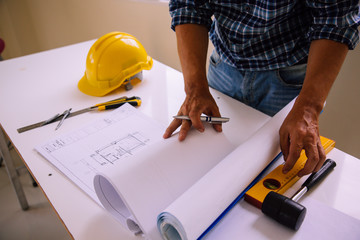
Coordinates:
(38, 222)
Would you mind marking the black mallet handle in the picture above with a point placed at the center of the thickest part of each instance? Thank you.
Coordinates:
(316, 177)
(287, 211)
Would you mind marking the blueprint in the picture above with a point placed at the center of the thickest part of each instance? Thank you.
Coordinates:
(102, 144)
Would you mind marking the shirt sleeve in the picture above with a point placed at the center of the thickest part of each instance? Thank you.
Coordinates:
(195, 12)
(335, 20)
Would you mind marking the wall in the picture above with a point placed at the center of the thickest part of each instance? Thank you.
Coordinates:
(30, 26)
(341, 117)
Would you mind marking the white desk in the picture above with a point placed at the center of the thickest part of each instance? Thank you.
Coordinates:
(36, 87)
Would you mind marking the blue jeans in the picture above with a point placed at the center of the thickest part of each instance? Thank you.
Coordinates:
(267, 91)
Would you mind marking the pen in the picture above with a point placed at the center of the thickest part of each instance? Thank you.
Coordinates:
(65, 115)
(206, 119)
(50, 120)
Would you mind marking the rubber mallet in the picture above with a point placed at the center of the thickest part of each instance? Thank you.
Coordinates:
(288, 211)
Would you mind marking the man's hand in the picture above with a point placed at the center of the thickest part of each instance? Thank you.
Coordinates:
(300, 130)
(192, 43)
(194, 105)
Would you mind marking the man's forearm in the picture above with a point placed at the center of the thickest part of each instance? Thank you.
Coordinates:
(324, 62)
(300, 129)
(192, 43)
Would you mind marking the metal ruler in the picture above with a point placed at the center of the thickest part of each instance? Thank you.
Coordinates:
(134, 101)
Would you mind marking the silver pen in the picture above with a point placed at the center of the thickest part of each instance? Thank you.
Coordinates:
(65, 115)
(206, 119)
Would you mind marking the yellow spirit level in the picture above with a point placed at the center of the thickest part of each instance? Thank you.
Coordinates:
(277, 181)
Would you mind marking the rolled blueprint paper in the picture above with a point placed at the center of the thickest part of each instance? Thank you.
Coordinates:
(194, 211)
(137, 190)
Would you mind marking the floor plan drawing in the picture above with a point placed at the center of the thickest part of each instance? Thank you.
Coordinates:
(120, 148)
(107, 143)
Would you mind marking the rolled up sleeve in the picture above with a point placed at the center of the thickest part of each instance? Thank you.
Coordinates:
(335, 20)
(194, 12)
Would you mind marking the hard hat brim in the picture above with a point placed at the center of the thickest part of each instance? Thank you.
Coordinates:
(88, 89)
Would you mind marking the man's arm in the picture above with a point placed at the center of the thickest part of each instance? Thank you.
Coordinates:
(192, 43)
(300, 129)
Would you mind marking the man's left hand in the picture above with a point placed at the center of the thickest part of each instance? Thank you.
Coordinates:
(300, 130)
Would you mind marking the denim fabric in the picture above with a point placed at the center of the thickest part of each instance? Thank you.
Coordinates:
(267, 91)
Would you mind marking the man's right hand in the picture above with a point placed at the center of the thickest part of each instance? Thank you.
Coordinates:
(197, 103)
(192, 44)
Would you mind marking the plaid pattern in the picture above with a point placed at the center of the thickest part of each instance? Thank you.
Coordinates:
(263, 35)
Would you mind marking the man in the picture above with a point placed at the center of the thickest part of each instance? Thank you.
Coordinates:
(266, 53)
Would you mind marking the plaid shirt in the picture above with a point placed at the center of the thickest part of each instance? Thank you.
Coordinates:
(262, 35)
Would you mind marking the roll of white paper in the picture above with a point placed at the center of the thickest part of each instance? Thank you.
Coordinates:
(195, 210)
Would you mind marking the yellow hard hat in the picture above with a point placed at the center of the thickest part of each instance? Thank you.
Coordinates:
(113, 60)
